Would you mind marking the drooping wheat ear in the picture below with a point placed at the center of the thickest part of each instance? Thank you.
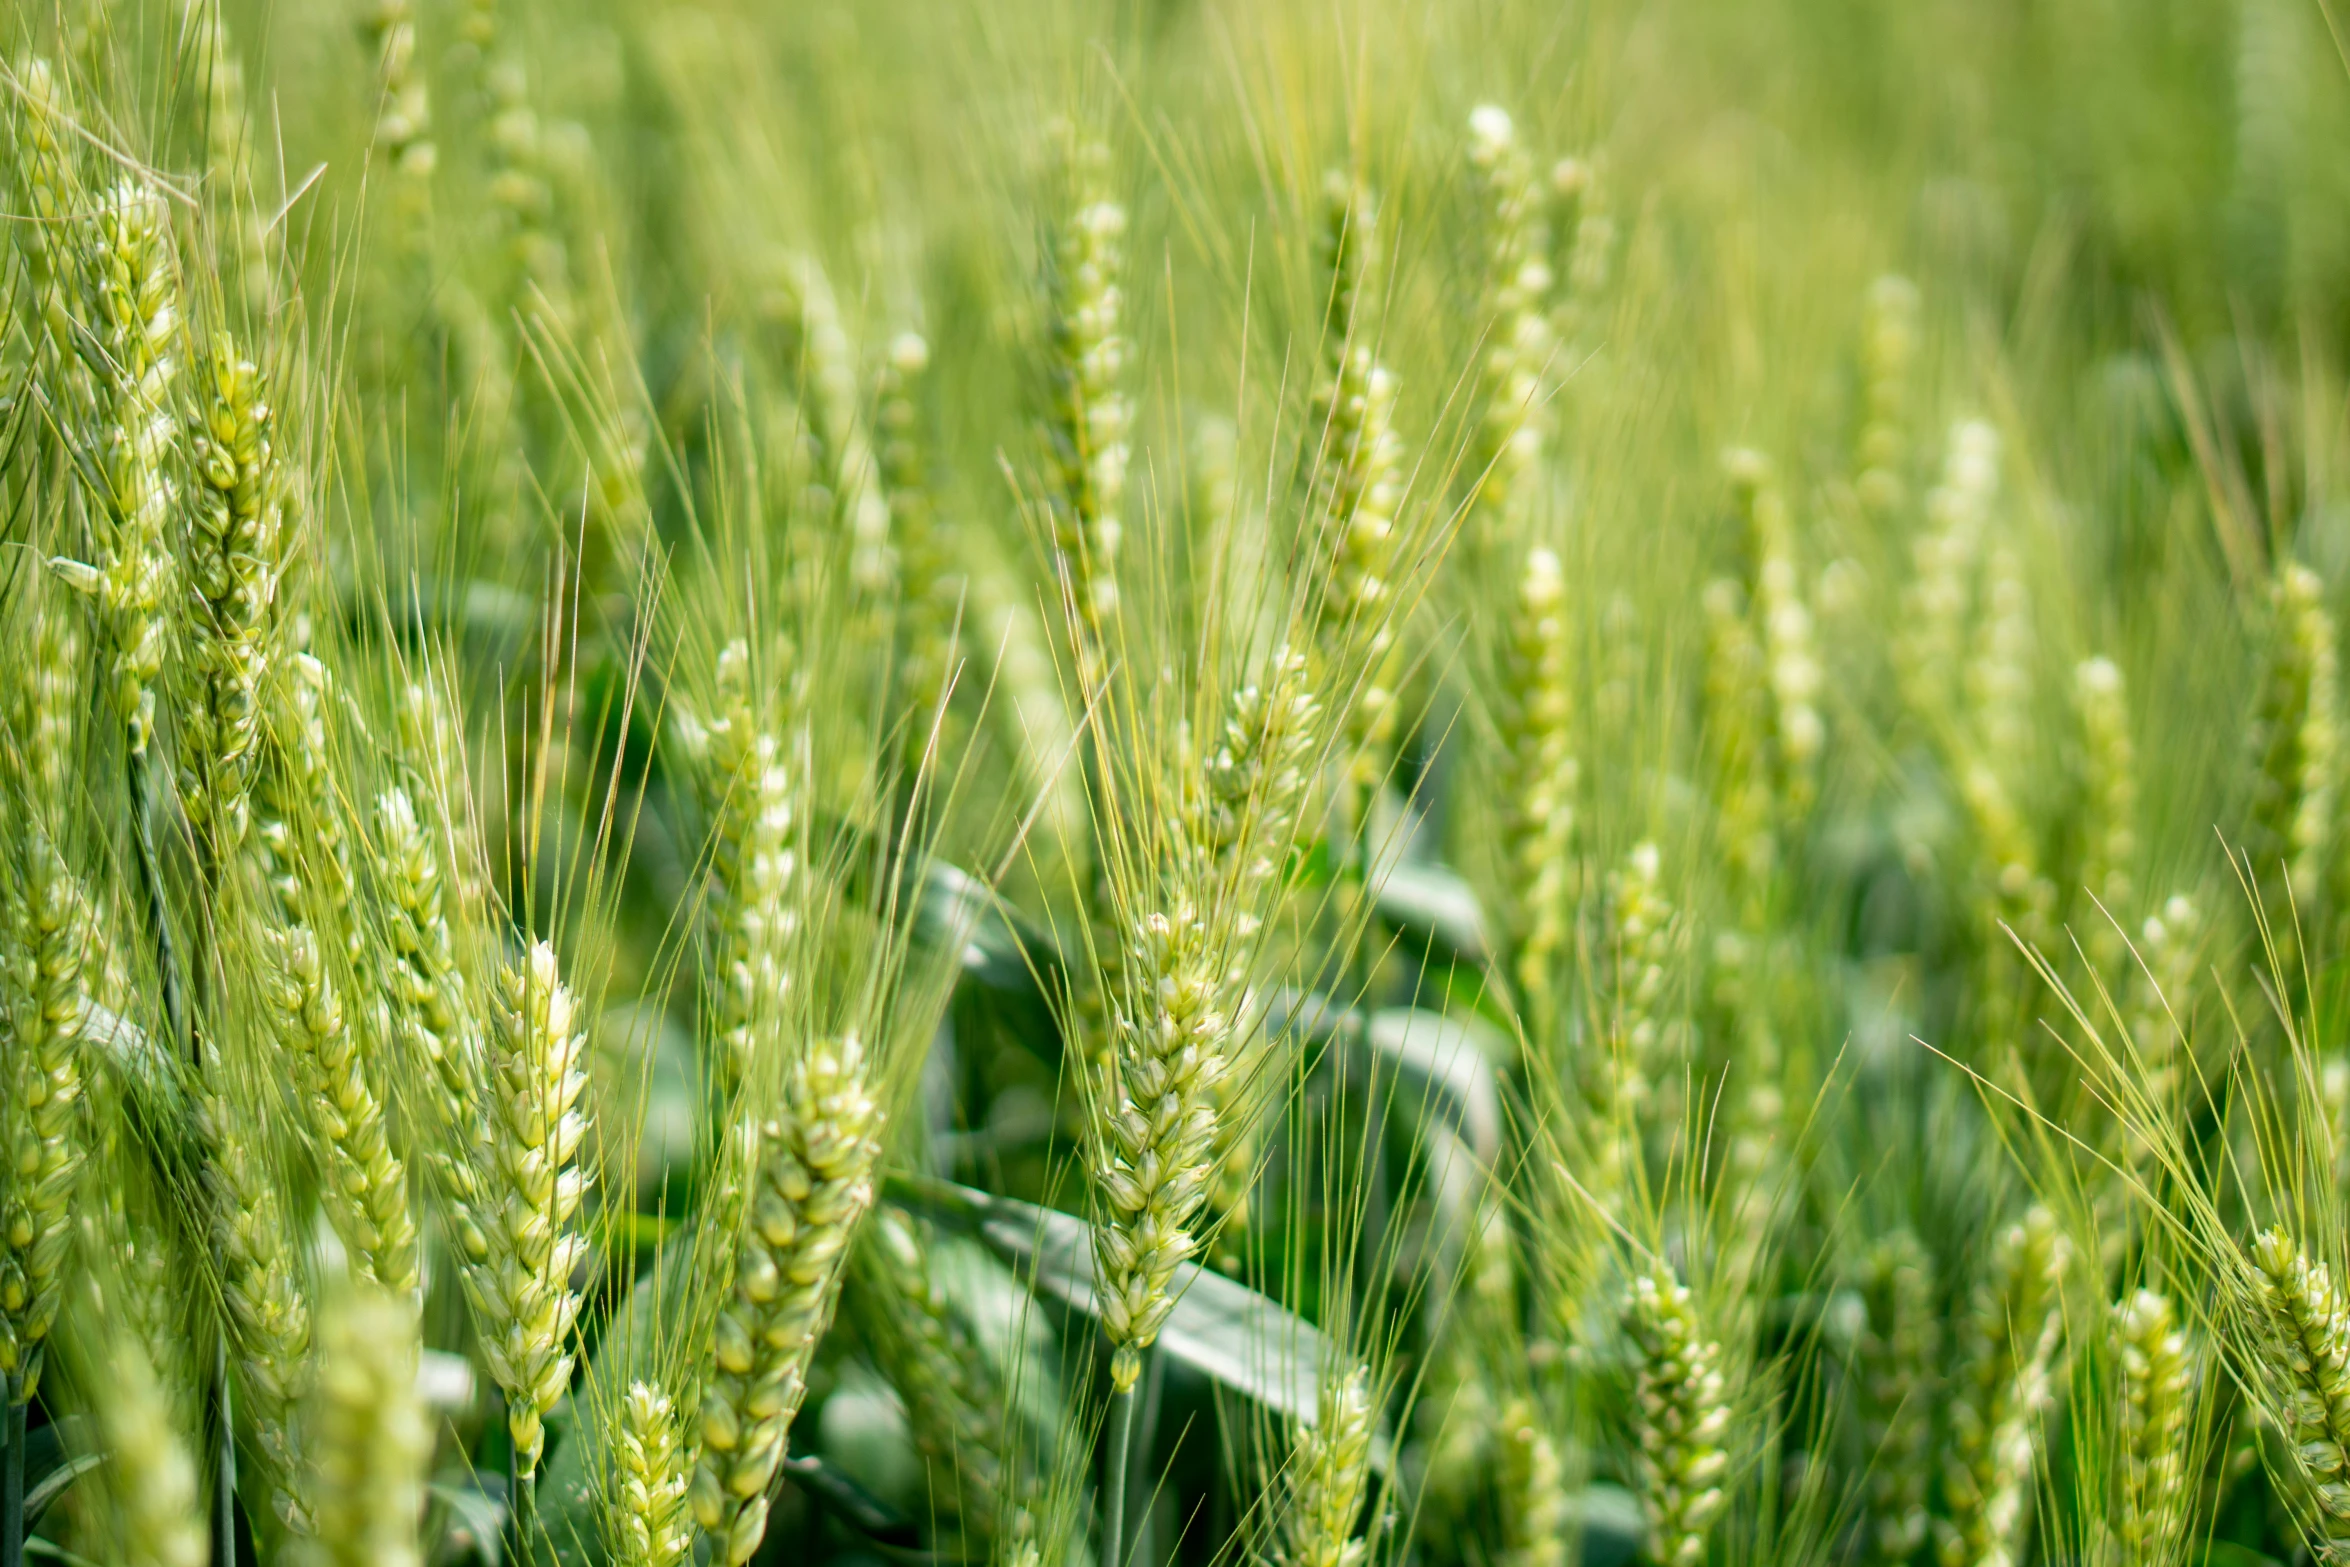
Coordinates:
(232, 560)
(2297, 740)
(1535, 716)
(1644, 940)
(1680, 1418)
(530, 1186)
(1939, 608)
(150, 1472)
(1090, 415)
(1256, 782)
(1898, 1356)
(2306, 1355)
(43, 1133)
(2013, 1329)
(1737, 729)
(834, 400)
(131, 295)
(925, 558)
(1888, 353)
(814, 1184)
(1518, 344)
(240, 253)
(749, 790)
(2110, 773)
(956, 1402)
(1791, 658)
(1329, 1470)
(2157, 1376)
(1154, 1136)
(268, 1310)
(1532, 1481)
(40, 130)
(368, 1435)
(366, 1186)
(306, 853)
(645, 1521)
(1355, 485)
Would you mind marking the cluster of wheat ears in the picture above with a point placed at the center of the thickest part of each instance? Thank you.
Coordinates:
(1313, 784)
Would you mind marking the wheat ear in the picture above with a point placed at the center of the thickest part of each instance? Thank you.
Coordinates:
(2015, 1325)
(150, 1471)
(2306, 1346)
(42, 1126)
(1680, 1418)
(1888, 353)
(1518, 346)
(132, 295)
(1090, 414)
(368, 1436)
(2157, 1378)
(645, 1518)
(232, 555)
(814, 1183)
(1329, 1470)
(1535, 719)
(1897, 1355)
(530, 1186)
(1531, 1478)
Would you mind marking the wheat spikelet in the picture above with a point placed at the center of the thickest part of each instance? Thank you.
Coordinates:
(232, 559)
(645, 1520)
(368, 1436)
(1329, 1470)
(530, 1186)
(131, 294)
(814, 1183)
(366, 1186)
(1681, 1418)
(2014, 1327)
(43, 1134)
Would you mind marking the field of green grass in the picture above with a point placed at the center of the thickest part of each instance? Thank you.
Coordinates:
(1111, 783)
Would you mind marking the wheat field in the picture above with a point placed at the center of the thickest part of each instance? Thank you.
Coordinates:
(1099, 783)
